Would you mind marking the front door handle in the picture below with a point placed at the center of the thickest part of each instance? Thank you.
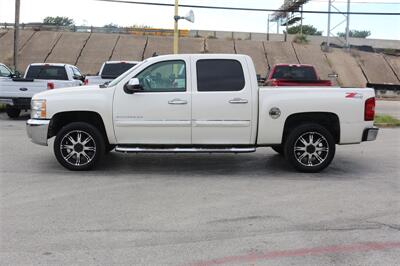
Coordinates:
(238, 101)
(177, 101)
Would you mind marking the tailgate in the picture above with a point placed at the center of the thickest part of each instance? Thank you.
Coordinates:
(21, 89)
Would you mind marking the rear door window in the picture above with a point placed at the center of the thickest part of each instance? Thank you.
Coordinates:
(114, 70)
(47, 72)
(219, 75)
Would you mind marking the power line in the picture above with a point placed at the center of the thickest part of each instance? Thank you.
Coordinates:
(249, 9)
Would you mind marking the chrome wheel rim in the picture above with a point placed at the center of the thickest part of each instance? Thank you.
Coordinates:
(78, 148)
(311, 149)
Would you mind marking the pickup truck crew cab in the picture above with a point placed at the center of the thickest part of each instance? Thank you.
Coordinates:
(16, 93)
(200, 103)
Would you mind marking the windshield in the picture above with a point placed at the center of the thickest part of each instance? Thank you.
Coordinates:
(4, 71)
(294, 73)
(113, 70)
(121, 77)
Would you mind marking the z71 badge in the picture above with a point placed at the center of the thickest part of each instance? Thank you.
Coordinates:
(354, 95)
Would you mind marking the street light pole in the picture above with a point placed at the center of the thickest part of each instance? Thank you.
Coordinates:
(16, 33)
(176, 31)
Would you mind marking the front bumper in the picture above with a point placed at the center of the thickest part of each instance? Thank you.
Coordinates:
(370, 134)
(37, 130)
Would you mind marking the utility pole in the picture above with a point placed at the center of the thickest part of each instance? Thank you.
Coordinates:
(328, 32)
(176, 30)
(268, 29)
(16, 33)
(348, 24)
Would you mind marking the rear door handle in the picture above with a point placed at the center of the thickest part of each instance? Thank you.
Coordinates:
(238, 101)
(177, 101)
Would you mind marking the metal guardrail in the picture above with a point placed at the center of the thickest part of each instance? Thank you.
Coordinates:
(92, 29)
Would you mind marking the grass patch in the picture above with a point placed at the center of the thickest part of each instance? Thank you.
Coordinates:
(386, 120)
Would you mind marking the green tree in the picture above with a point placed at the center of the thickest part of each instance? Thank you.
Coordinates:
(59, 21)
(307, 30)
(356, 34)
(111, 26)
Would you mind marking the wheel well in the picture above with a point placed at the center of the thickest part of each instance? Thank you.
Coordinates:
(62, 119)
(328, 120)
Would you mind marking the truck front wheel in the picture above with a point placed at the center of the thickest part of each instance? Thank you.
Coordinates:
(79, 146)
(309, 148)
(13, 112)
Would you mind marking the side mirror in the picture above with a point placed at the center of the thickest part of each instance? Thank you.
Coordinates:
(333, 75)
(133, 86)
(77, 77)
(16, 74)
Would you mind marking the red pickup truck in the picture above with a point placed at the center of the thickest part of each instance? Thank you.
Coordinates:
(295, 75)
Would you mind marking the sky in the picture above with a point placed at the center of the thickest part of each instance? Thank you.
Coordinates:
(91, 12)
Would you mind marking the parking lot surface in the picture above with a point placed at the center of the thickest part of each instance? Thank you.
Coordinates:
(171, 209)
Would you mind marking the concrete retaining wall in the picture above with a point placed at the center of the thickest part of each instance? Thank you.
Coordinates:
(216, 46)
(130, 48)
(38, 48)
(375, 67)
(98, 49)
(312, 54)
(68, 48)
(89, 51)
(254, 49)
(394, 63)
(280, 53)
(346, 66)
(7, 44)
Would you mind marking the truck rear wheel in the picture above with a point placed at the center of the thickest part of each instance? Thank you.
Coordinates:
(310, 148)
(79, 146)
(12, 112)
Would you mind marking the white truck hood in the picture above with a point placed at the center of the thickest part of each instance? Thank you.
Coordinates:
(71, 91)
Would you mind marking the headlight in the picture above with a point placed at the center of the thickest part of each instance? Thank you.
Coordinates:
(38, 109)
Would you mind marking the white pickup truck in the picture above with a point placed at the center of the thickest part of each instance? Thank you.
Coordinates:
(200, 103)
(16, 93)
(109, 71)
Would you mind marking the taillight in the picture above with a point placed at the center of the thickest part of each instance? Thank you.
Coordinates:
(369, 111)
(86, 82)
(274, 82)
(50, 85)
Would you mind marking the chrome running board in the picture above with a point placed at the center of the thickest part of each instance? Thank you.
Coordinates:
(183, 150)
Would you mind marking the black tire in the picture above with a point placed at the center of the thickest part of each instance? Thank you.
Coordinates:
(306, 157)
(89, 147)
(13, 112)
(278, 149)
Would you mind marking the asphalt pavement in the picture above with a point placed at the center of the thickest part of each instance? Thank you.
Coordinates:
(199, 209)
